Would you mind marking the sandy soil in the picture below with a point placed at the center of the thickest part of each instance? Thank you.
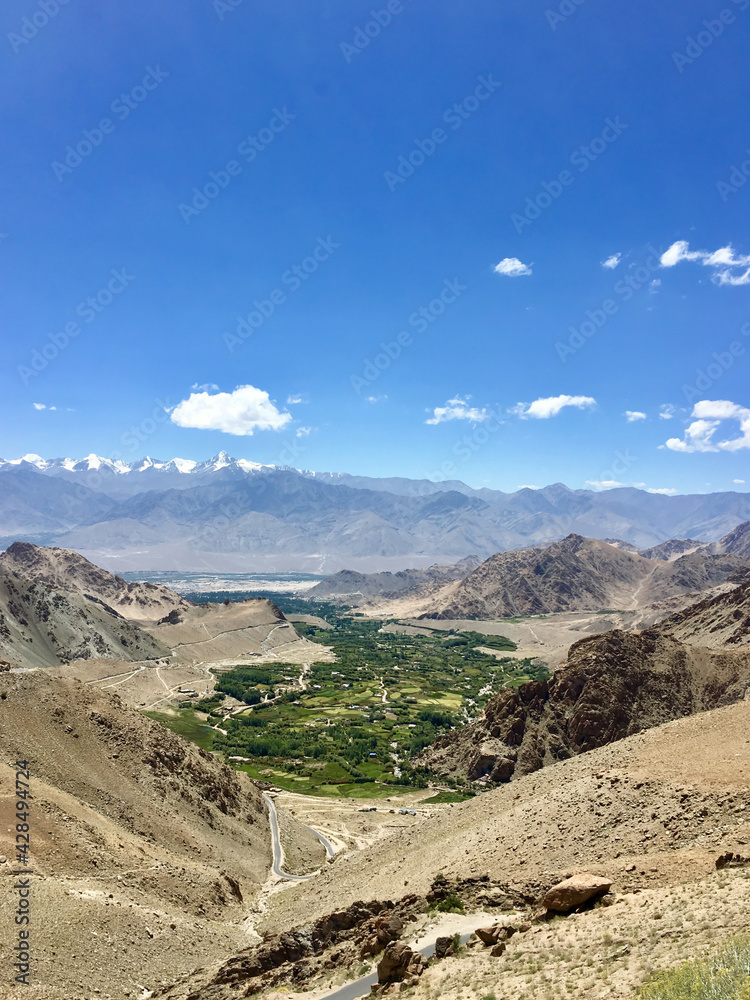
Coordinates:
(651, 801)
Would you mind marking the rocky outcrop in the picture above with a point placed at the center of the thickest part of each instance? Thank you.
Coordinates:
(400, 962)
(387, 929)
(334, 941)
(612, 686)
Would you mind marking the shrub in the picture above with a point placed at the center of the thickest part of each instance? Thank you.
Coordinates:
(726, 976)
(451, 904)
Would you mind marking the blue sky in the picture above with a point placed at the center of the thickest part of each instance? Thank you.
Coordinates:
(548, 136)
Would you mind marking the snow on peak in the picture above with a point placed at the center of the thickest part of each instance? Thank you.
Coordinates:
(183, 464)
(32, 459)
(221, 461)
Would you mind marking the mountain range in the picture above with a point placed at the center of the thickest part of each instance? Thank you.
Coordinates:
(574, 574)
(230, 514)
(630, 765)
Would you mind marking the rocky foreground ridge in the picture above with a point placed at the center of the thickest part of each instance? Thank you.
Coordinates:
(611, 686)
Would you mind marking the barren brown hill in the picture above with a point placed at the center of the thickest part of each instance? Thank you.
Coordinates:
(147, 852)
(737, 542)
(672, 549)
(693, 574)
(43, 626)
(582, 574)
(722, 621)
(67, 570)
(611, 686)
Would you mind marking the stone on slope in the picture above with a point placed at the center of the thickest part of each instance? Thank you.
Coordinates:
(574, 891)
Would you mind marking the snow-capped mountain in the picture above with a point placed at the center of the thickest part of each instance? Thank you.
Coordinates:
(238, 515)
(120, 479)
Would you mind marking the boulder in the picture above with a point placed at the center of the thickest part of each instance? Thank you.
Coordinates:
(486, 935)
(575, 891)
(443, 947)
(398, 962)
(496, 933)
(388, 928)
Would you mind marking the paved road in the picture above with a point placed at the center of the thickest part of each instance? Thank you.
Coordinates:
(330, 849)
(361, 987)
(278, 853)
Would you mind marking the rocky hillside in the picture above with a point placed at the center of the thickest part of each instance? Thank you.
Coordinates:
(671, 549)
(737, 542)
(146, 850)
(44, 626)
(69, 571)
(56, 606)
(582, 574)
(611, 686)
(719, 622)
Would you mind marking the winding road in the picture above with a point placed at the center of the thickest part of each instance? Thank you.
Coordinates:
(278, 850)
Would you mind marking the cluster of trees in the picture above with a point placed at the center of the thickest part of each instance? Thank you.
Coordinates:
(298, 732)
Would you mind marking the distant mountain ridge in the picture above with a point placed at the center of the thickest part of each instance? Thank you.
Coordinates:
(582, 574)
(235, 515)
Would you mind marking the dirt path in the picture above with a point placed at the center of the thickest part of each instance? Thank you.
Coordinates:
(639, 588)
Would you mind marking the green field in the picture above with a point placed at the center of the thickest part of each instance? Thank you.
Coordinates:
(361, 720)
(447, 797)
(187, 724)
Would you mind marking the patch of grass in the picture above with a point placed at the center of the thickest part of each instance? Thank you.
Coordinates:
(726, 976)
(186, 723)
(441, 797)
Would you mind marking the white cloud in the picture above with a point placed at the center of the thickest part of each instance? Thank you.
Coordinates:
(206, 387)
(550, 406)
(656, 283)
(528, 486)
(43, 406)
(738, 481)
(241, 412)
(667, 411)
(377, 399)
(632, 415)
(303, 432)
(604, 484)
(458, 409)
(613, 261)
(512, 267)
(709, 414)
(728, 268)
(665, 491)
(294, 399)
